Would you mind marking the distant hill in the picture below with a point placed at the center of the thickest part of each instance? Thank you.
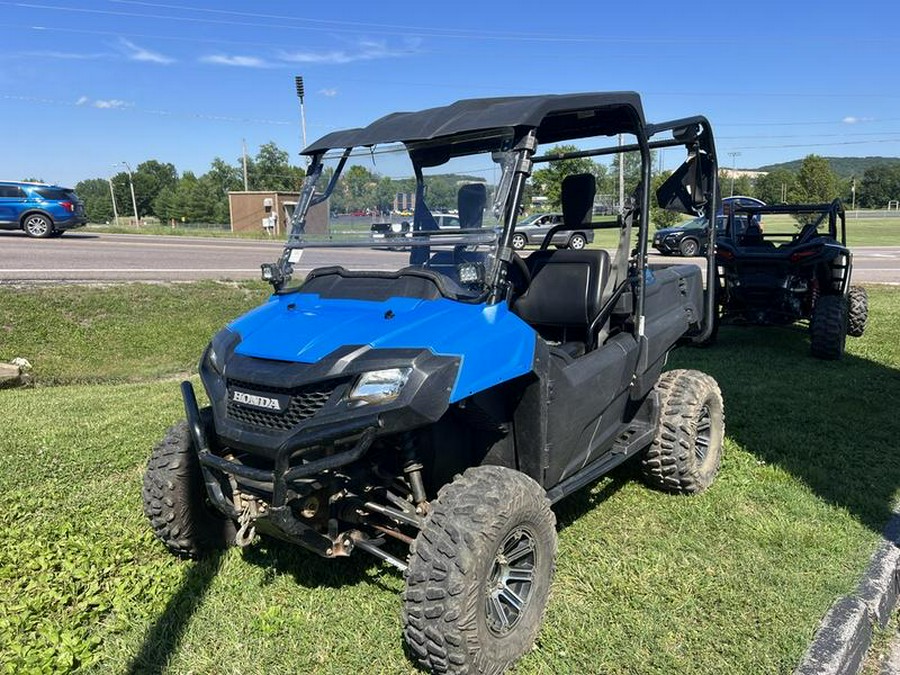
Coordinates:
(845, 167)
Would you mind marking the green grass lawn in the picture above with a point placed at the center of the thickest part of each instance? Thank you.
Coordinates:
(734, 580)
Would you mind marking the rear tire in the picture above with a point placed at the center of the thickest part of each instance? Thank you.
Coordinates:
(577, 242)
(479, 573)
(858, 311)
(175, 499)
(828, 327)
(38, 226)
(685, 455)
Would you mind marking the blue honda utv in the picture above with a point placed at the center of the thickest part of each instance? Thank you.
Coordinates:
(428, 401)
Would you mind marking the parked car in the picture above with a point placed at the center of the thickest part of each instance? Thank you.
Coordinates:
(446, 221)
(39, 209)
(533, 229)
(689, 238)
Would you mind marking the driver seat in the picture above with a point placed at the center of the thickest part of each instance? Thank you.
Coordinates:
(566, 292)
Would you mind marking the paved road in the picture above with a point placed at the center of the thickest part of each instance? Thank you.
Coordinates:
(83, 256)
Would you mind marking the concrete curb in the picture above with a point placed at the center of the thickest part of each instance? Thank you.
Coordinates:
(843, 638)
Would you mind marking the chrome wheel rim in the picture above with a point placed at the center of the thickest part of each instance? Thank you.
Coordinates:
(518, 241)
(36, 226)
(690, 248)
(704, 431)
(510, 582)
(577, 243)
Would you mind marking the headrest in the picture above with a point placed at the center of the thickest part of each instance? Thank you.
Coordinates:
(470, 202)
(577, 198)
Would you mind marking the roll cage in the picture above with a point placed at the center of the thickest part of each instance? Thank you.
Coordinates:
(518, 126)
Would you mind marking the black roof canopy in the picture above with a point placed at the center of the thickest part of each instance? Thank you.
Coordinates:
(556, 117)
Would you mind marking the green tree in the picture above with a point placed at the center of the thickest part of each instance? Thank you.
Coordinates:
(222, 178)
(94, 192)
(548, 180)
(816, 183)
(659, 216)
(358, 186)
(631, 161)
(879, 185)
(270, 169)
(775, 186)
(122, 189)
(742, 185)
(150, 178)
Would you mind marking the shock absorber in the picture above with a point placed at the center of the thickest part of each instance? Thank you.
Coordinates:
(413, 470)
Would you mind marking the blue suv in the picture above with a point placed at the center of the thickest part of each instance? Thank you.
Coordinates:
(41, 210)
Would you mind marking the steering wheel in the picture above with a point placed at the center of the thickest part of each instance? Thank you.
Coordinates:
(520, 279)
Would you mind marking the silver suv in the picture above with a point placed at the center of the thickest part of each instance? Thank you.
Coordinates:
(533, 229)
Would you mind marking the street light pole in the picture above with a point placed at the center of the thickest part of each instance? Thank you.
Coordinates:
(734, 155)
(298, 80)
(112, 193)
(137, 218)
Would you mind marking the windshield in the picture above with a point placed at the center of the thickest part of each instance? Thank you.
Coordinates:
(692, 224)
(383, 214)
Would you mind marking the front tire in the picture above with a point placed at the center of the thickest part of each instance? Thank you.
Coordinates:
(175, 499)
(689, 247)
(38, 226)
(857, 311)
(828, 327)
(686, 452)
(519, 241)
(479, 573)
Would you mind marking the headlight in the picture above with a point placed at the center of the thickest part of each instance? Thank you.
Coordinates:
(222, 343)
(379, 386)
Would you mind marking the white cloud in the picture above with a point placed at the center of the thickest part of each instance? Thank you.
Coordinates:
(111, 104)
(366, 50)
(67, 56)
(239, 61)
(850, 119)
(136, 53)
(328, 92)
(103, 104)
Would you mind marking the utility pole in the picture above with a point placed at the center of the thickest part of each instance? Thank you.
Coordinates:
(621, 178)
(298, 81)
(853, 193)
(734, 155)
(112, 193)
(137, 218)
(244, 156)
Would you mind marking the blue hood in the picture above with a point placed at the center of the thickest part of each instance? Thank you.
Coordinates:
(493, 344)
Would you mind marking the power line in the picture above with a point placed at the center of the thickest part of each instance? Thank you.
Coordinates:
(131, 108)
(338, 26)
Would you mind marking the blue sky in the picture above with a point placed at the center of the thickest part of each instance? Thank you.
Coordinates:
(87, 84)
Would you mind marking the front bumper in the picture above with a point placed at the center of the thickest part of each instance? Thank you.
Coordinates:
(282, 459)
(282, 484)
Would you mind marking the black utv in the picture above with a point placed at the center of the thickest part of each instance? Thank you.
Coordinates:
(792, 265)
(428, 405)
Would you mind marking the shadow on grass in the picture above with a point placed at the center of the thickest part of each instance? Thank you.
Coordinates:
(576, 505)
(164, 636)
(312, 571)
(832, 424)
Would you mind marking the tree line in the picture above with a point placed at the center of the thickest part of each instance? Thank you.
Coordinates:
(161, 192)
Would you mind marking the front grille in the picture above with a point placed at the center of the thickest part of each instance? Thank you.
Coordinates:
(305, 402)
